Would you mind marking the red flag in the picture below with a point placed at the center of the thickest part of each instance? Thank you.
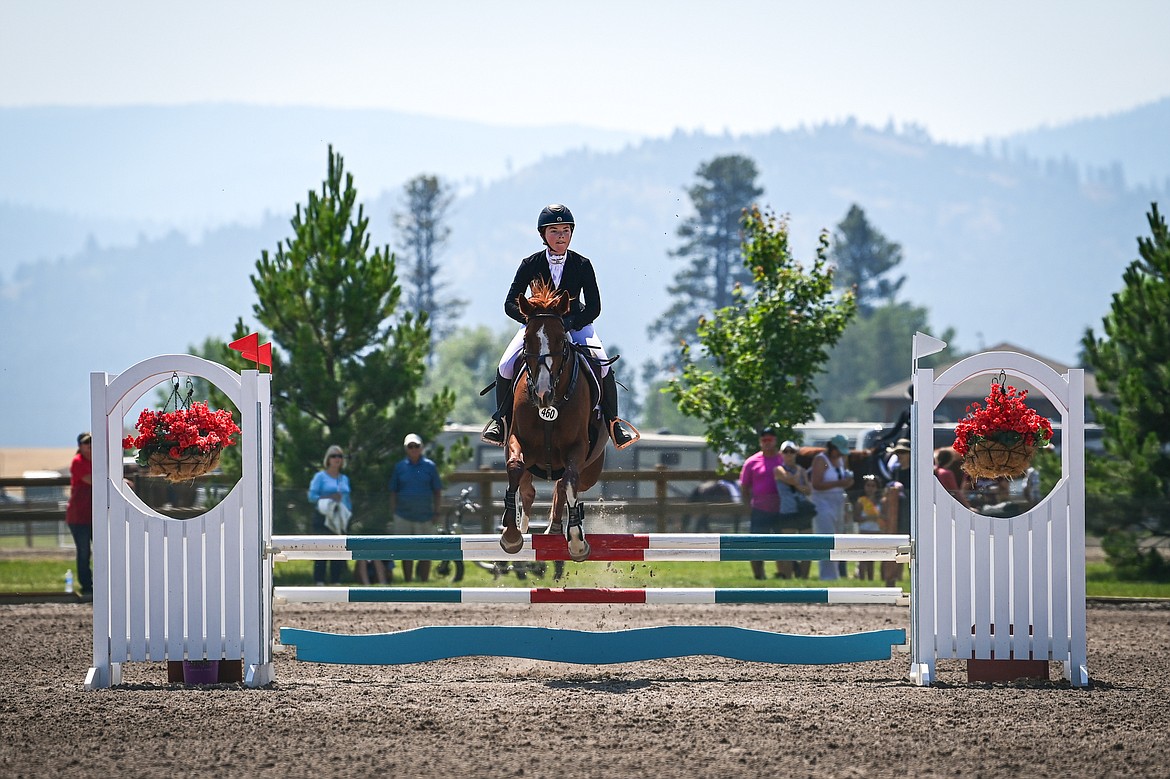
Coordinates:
(248, 346)
(264, 355)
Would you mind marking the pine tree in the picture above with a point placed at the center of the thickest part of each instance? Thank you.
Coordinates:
(711, 246)
(760, 354)
(874, 350)
(424, 231)
(864, 259)
(347, 366)
(1131, 362)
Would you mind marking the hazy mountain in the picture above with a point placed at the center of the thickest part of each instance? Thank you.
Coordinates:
(1001, 245)
(113, 172)
(1134, 143)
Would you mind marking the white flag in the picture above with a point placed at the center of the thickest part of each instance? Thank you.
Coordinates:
(925, 345)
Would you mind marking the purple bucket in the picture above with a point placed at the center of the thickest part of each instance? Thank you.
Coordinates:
(200, 671)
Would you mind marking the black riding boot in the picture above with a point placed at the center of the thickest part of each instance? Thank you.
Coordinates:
(496, 429)
(620, 431)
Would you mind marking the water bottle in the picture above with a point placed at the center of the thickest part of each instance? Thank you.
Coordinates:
(69, 581)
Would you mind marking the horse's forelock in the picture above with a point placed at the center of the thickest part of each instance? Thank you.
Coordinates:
(544, 295)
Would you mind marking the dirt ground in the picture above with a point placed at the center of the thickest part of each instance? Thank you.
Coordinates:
(479, 717)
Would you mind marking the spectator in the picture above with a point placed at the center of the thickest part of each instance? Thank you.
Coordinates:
(830, 478)
(329, 494)
(869, 516)
(383, 570)
(791, 480)
(896, 506)
(1032, 483)
(415, 496)
(944, 460)
(79, 512)
(758, 484)
(998, 500)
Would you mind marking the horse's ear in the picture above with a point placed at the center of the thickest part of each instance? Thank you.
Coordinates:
(525, 307)
(562, 304)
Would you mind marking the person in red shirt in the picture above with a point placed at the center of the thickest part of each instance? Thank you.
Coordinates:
(79, 511)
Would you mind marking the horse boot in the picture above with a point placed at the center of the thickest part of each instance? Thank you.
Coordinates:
(496, 429)
(512, 537)
(575, 533)
(620, 431)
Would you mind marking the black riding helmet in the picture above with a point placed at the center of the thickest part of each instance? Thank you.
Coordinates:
(554, 214)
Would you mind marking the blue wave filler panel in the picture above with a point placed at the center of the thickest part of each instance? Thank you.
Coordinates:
(589, 648)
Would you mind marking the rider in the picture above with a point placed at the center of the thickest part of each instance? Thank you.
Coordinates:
(573, 274)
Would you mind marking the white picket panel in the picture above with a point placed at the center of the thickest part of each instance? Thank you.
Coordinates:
(986, 587)
(167, 589)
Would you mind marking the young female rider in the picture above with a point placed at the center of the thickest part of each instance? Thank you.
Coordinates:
(572, 273)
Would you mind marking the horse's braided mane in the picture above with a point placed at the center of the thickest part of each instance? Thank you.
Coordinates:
(544, 294)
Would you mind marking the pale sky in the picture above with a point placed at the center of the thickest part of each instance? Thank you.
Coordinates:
(961, 70)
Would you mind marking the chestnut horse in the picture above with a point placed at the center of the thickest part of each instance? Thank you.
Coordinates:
(554, 432)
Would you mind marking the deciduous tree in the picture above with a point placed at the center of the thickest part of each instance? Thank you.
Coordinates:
(464, 362)
(759, 355)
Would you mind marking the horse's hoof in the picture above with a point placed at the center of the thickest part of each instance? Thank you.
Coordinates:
(582, 554)
(512, 541)
(578, 546)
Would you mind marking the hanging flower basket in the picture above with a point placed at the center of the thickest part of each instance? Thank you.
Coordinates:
(999, 439)
(183, 444)
(990, 459)
(182, 468)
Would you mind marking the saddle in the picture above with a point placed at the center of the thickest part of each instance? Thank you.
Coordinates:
(584, 358)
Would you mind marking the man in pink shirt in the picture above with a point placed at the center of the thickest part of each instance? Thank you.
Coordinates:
(758, 484)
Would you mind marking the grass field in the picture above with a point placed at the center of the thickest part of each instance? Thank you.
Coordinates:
(45, 572)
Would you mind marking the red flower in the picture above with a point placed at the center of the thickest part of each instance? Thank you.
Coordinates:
(1005, 418)
(182, 432)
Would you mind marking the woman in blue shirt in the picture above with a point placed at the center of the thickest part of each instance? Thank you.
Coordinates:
(329, 484)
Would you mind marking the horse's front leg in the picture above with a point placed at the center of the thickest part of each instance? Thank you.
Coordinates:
(515, 519)
(557, 511)
(575, 526)
(527, 498)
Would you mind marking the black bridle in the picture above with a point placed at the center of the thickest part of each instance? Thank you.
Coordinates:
(548, 360)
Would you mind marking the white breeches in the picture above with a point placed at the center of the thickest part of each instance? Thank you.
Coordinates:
(585, 336)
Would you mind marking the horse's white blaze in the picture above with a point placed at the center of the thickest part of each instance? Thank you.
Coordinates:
(543, 375)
